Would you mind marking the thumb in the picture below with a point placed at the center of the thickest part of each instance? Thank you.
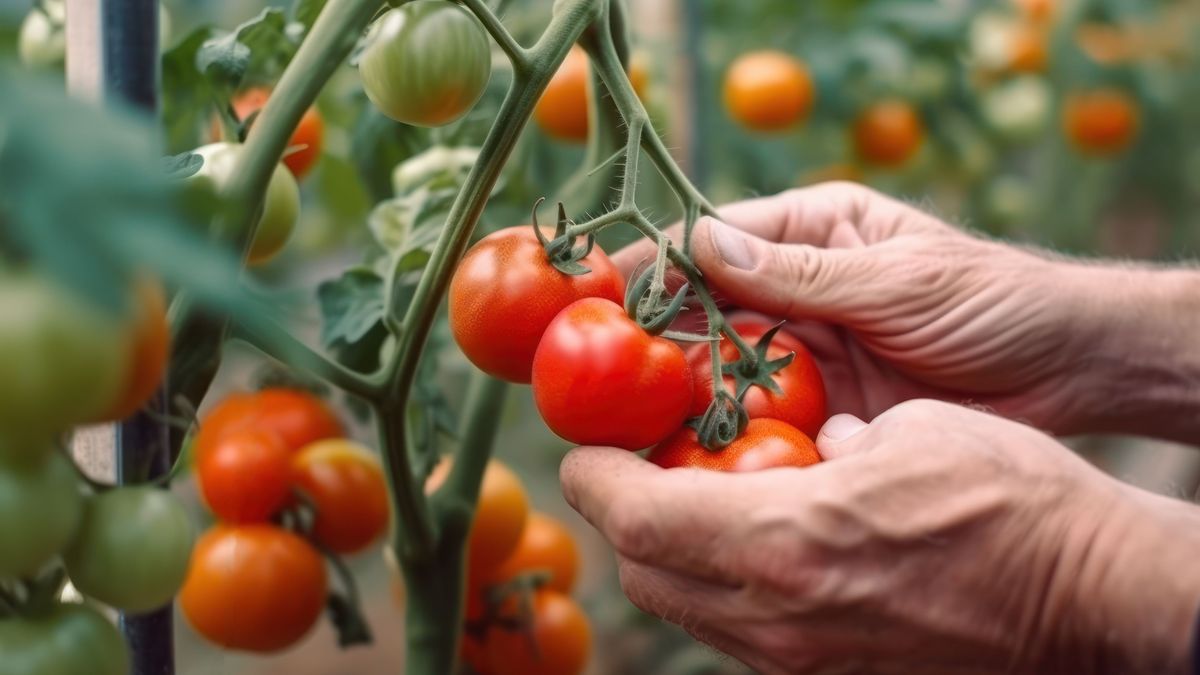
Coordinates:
(836, 438)
(792, 281)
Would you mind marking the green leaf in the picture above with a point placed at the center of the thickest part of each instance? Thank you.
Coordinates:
(307, 11)
(248, 49)
(351, 306)
(187, 94)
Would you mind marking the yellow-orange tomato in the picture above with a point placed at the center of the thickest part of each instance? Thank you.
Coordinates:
(559, 641)
(304, 147)
(345, 484)
(1027, 48)
(562, 111)
(500, 516)
(888, 133)
(150, 349)
(256, 588)
(1038, 10)
(768, 91)
(546, 546)
(1101, 121)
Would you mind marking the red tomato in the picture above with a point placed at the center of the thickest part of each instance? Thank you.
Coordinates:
(506, 292)
(599, 379)
(546, 546)
(245, 478)
(256, 588)
(304, 147)
(765, 444)
(559, 641)
(888, 133)
(297, 416)
(346, 485)
(802, 403)
(1100, 121)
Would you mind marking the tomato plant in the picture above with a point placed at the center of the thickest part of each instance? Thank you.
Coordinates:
(562, 109)
(62, 360)
(600, 379)
(65, 639)
(296, 416)
(344, 483)
(426, 62)
(1100, 122)
(888, 133)
(506, 292)
(546, 546)
(132, 548)
(768, 91)
(40, 510)
(500, 516)
(305, 143)
(255, 588)
(800, 400)
(558, 640)
(764, 444)
(245, 477)
(281, 203)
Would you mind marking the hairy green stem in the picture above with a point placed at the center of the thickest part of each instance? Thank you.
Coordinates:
(518, 55)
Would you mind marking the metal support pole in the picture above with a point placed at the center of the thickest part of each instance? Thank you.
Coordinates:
(113, 56)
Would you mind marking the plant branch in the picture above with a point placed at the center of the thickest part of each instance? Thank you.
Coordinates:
(518, 55)
(485, 402)
(277, 342)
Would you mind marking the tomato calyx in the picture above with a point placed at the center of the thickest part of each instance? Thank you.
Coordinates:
(757, 371)
(651, 310)
(722, 422)
(562, 252)
(498, 605)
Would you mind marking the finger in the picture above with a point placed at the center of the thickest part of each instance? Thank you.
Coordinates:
(831, 441)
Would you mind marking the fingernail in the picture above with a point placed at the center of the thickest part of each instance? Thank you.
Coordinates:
(841, 427)
(731, 245)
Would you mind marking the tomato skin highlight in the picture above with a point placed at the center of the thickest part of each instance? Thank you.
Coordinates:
(304, 146)
(69, 639)
(1100, 122)
(426, 62)
(765, 444)
(255, 588)
(40, 510)
(888, 133)
(561, 632)
(245, 478)
(345, 483)
(500, 516)
(505, 293)
(803, 401)
(132, 548)
(599, 379)
(298, 417)
(768, 91)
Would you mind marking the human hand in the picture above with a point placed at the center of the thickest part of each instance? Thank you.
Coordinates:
(895, 305)
(936, 539)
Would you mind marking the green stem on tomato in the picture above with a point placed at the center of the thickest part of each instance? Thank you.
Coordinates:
(518, 55)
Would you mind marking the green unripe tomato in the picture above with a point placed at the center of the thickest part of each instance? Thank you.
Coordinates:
(62, 361)
(67, 639)
(132, 548)
(426, 63)
(42, 41)
(281, 204)
(40, 510)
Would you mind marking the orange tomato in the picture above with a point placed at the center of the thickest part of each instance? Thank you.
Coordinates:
(562, 111)
(768, 91)
(765, 444)
(304, 147)
(297, 416)
(1027, 48)
(1101, 121)
(888, 133)
(500, 516)
(346, 485)
(559, 641)
(150, 349)
(1038, 10)
(546, 545)
(244, 478)
(256, 588)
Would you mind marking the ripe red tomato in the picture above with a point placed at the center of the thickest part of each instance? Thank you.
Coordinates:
(346, 485)
(1101, 121)
(888, 133)
(256, 588)
(505, 292)
(599, 379)
(768, 90)
(150, 348)
(559, 641)
(500, 516)
(297, 416)
(802, 403)
(245, 477)
(765, 444)
(562, 110)
(304, 147)
(546, 546)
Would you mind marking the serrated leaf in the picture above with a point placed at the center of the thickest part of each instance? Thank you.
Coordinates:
(226, 59)
(351, 306)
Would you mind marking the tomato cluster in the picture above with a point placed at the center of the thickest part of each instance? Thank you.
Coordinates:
(66, 362)
(254, 584)
(521, 569)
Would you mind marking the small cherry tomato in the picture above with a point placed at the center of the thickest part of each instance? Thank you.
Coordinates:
(888, 133)
(296, 416)
(768, 91)
(40, 510)
(546, 545)
(599, 379)
(505, 292)
(559, 641)
(304, 146)
(562, 110)
(255, 588)
(764, 444)
(500, 516)
(346, 486)
(245, 478)
(66, 639)
(1100, 122)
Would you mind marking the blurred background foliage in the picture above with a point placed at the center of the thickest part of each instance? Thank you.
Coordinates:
(990, 81)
